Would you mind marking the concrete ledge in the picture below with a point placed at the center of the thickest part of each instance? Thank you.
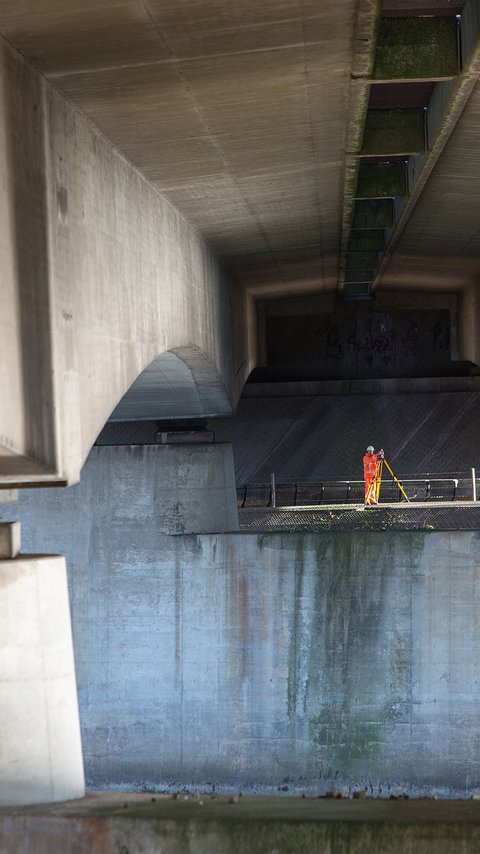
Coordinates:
(109, 823)
(405, 385)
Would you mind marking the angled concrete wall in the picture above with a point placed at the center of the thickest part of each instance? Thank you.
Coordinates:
(100, 276)
(303, 432)
(275, 663)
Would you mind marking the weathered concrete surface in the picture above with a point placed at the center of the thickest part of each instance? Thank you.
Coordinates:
(194, 485)
(40, 752)
(112, 824)
(181, 489)
(271, 663)
(237, 112)
(100, 276)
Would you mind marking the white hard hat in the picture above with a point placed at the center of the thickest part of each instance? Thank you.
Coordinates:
(370, 449)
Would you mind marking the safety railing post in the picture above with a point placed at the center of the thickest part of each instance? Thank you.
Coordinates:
(474, 486)
(273, 497)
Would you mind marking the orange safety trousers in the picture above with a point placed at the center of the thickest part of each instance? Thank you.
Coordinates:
(370, 472)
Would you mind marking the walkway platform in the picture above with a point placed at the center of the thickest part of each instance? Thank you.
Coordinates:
(439, 516)
(107, 823)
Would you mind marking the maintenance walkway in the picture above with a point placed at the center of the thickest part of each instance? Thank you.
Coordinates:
(418, 516)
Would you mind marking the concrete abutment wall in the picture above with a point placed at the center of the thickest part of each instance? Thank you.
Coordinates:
(272, 663)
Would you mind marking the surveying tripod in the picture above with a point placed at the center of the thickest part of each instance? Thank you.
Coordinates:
(374, 488)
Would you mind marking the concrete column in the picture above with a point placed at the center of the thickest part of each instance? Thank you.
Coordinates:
(40, 747)
(469, 324)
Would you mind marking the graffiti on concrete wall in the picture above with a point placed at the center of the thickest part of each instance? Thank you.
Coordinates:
(357, 343)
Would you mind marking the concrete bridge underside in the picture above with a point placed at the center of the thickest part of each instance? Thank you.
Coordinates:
(192, 192)
(315, 150)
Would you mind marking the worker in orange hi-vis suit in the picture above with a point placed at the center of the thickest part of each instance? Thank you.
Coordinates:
(371, 469)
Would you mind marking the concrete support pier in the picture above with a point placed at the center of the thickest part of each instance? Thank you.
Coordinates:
(40, 753)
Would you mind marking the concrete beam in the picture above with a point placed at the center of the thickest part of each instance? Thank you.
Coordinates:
(374, 214)
(382, 180)
(445, 108)
(394, 132)
(417, 48)
(366, 25)
(100, 276)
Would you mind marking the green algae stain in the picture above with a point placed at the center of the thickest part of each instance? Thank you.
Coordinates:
(351, 736)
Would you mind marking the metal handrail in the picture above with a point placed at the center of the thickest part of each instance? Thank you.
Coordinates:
(458, 488)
